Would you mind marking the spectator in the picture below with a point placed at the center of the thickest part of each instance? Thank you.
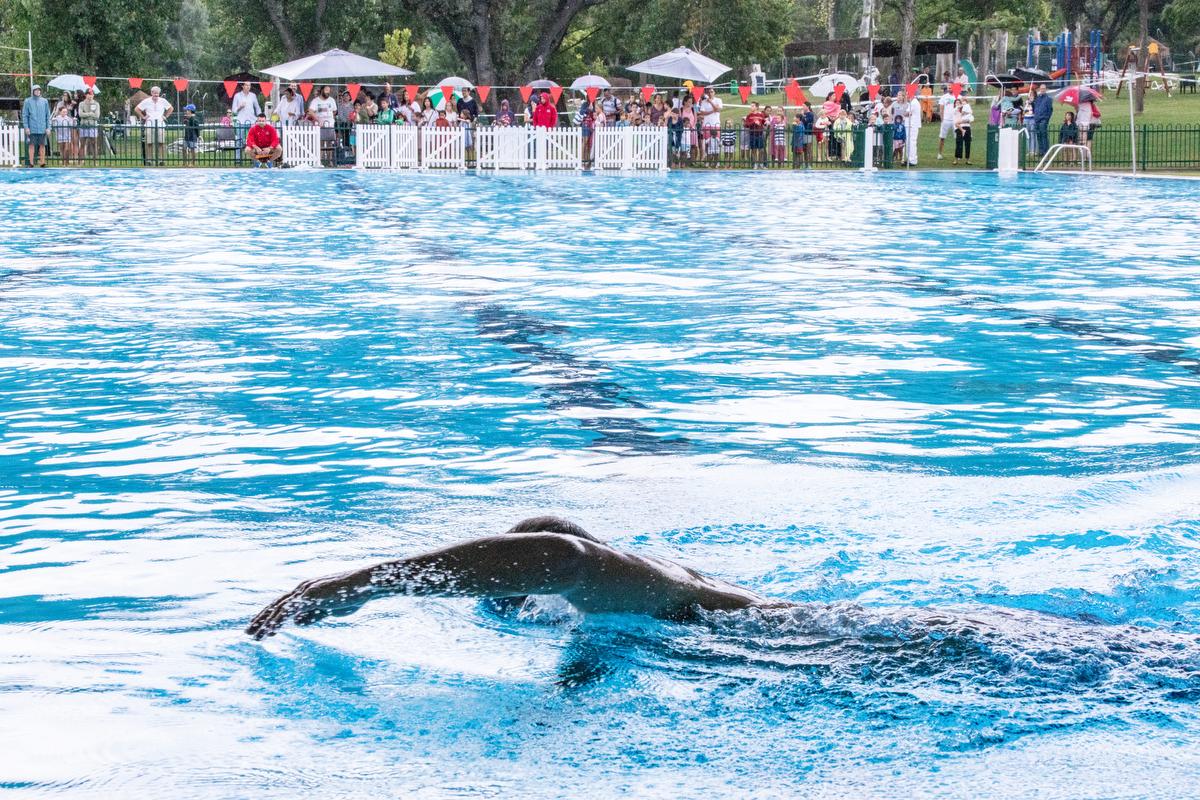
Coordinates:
(390, 96)
(325, 107)
(778, 123)
(609, 104)
(440, 120)
(963, 119)
(89, 124)
(754, 123)
(262, 142)
(799, 139)
(545, 115)
(946, 105)
(505, 115)
(810, 119)
(844, 103)
(1043, 109)
(191, 135)
(657, 109)
(345, 107)
(467, 103)
(385, 116)
(913, 123)
(690, 125)
(710, 108)
(153, 111)
(369, 108)
(843, 132)
(1087, 119)
(586, 120)
(899, 131)
(291, 106)
(64, 133)
(245, 108)
(1068, 132)
(464, 122)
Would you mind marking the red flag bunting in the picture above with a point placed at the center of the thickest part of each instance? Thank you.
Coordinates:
(647, 92)
(266, 86)
(791, 90)
(873, 92)
(592, 93)
(912, 90)
(526, 91)
(838, 91)
(955, 89)
(555, 93)
(447, 93)
(411, 91)
(135, 83)
(697, 93)
(744, 91)
(483, 92)
(181, 84)
(89, 81)
(230, 88)
(353, 88)
(305, 90)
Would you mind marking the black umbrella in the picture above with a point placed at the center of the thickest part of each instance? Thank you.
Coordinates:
(241, 77)
(1032, 75)
(1005, 81)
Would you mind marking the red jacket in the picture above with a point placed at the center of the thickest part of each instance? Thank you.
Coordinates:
(545, 115)
(262, 136)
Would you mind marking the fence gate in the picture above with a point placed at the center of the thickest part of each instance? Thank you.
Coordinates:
(502, 148)
(648, 148)
(404, 146)
(10, 146)
(608, 148)
(372, 146)
(559, 148)
(302, 145)
(442, 148)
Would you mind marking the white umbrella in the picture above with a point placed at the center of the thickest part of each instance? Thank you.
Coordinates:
(333, 64)
(684, 64)
(826, 83)
(455, 82)
(585, 82)
(71, 83)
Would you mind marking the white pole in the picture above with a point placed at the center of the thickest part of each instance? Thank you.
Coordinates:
(30, 35)
(1132, 132)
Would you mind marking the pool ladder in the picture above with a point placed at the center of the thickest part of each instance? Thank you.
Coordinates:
(1085, 156)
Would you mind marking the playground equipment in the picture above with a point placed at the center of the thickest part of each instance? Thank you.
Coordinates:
(1070, 59)
(1155, 52)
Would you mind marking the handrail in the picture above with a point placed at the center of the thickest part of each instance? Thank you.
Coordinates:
(1048, 159)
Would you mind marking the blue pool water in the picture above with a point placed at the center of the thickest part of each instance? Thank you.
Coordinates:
(956, 418)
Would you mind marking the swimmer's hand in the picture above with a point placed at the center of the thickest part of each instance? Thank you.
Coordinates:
(312, 601)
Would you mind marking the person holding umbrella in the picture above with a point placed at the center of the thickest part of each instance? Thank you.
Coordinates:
(1084, 99)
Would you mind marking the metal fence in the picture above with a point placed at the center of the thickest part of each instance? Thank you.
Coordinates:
(1165, 147)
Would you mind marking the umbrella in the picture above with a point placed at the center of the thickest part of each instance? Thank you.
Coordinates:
(333, 64)
(585, 82)
(1077, 94)
(1032, 75)
(455, 82)
(71, 83)
(826, 83)
(684, 64)
(439, 101)
(542, 83)
(1004, 81)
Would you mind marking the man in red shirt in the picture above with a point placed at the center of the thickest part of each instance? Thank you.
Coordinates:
(754, 123)
(545, 115)
(262, 142)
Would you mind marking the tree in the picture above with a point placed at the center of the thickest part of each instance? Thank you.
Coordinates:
(117, 37)
(398, 49)
(501, 41)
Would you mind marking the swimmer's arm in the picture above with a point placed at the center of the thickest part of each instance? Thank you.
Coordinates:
(494, 566)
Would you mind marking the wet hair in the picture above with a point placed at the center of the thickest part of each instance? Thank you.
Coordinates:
(551, 524)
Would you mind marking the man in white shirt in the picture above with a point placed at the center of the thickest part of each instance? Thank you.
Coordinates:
(291, 107)
(153, 111)
(245, 106)
(946, 111)
(325, 107)
(913, 128)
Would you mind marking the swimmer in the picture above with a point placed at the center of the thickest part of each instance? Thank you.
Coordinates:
(541, 555)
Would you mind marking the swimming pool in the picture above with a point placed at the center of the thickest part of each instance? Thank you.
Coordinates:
(889, 397)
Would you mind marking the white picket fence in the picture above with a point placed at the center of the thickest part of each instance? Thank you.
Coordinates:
(10, 146)
(302, 145)
(496, 148)
(630, 149)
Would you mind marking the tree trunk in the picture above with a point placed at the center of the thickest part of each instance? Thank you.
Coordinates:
(908, 22)
(865, 29)
(1143, 60)
(274, 9)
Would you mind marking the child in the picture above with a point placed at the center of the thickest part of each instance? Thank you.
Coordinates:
(779, 136)
(1068, 132)
(843, 133)
(799, 139)
(385, 115)
(64, 133)
(227, 119)
(820, 127)
(191, 135)
(464, 122)
(899, 139)
(441, 121)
